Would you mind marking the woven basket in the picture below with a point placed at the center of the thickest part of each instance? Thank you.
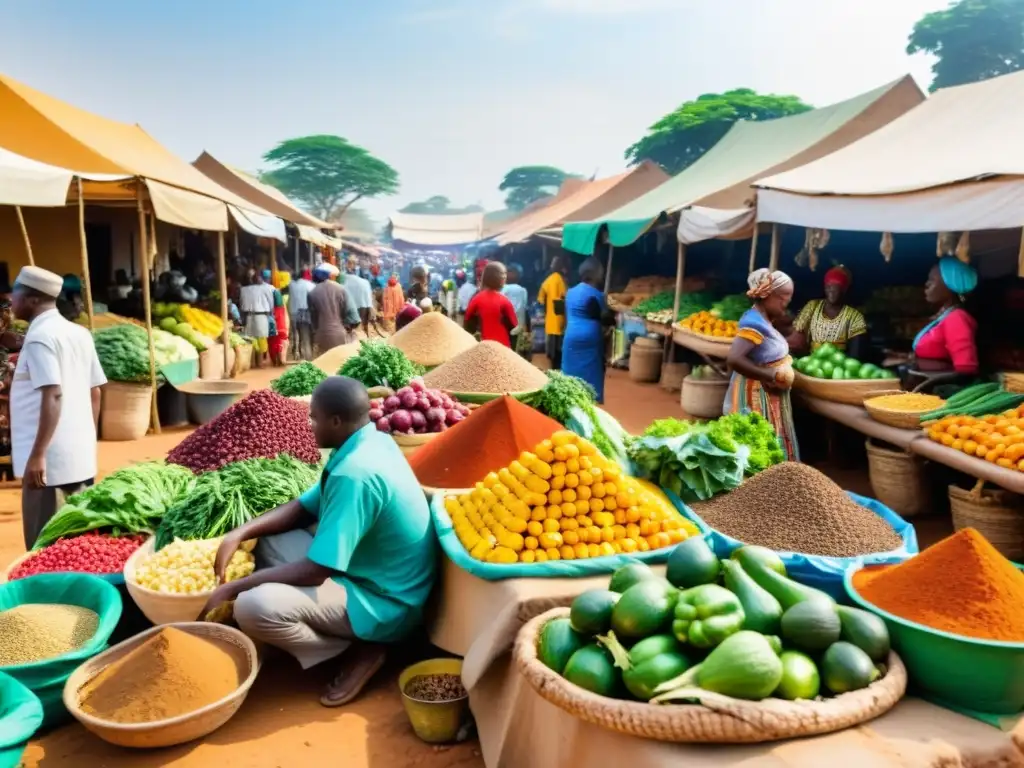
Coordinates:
(410, 443)
(847, 391)
(243, 359)
(645, 363)
(672, 375)
(899, 419)
(718, 719)
(174, 730)
(703, 398)
(698, 342)
(126, 411)
(1013, 382)
(997, 515)
(898, 480)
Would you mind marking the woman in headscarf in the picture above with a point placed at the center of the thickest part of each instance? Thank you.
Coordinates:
(392, 301)
(758, 355)
(831, 320)
(277, 343)
(948, 343)
(586, 315)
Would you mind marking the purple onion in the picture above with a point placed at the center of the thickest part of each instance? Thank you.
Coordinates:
(383, 424)
(392, 403)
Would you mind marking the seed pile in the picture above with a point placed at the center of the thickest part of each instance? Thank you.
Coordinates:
(792, 507)
(432, 339)
(36, 631)
(444, 687)
(488, 367)
(330, 361)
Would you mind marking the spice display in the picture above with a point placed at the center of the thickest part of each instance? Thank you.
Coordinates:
(494, 436)
(227, 498)
(995, 438)
(562, 501)
(298, 380)
(186, 567)
(488, 367)
(827, 362)
(443, 687)
(432, 339)
(38, 631)
(261, 425)
(379, 364)
(792, 507)
(130, 500)
(331, 360)
(89, 553)
(907, 402)
(414, 409)
(977, 400)
(170, 674)
(706, 324)
(961, 585)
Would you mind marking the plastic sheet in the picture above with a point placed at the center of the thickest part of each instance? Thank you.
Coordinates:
(21, 714)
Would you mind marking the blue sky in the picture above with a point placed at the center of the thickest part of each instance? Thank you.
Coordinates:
(452, 93)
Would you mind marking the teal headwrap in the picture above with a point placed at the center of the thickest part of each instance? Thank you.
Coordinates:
(960, 278)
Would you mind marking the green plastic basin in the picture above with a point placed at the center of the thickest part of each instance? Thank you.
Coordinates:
(982, 675)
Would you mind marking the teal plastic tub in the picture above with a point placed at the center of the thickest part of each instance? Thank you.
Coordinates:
(21, 714)
(981, 675)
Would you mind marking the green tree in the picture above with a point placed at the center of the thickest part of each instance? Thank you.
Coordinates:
(971, 40)
(327, 173)
(678, 139)
(435, 204)
(526, 184)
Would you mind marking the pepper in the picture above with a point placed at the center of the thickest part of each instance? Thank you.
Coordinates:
(647, 664)
(706, 615)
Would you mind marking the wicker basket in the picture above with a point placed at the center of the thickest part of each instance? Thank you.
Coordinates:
(174, 730)
(126, 410)
(899, 419)
(672, 375)
(1014, 382)
(645, 357)
(898, 480)
(243, 359)
(703, 398)
(411, 443)
(997, 515)
(698, 342)
(847, 391)
(718, 719)
(211, 362)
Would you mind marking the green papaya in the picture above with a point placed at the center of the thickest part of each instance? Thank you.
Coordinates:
(754, 554)
(591, 668)
(591, 612)
(845, 668)
(644, 609)
(761, 611)
(783, 589)
(691, 564)
(630, 574)
(557, 643)
(865, 630)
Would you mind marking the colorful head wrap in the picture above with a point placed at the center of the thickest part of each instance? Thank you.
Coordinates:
(763, 282)
(392, 281)
(266, 274)
(840, 276)
(307, 275)
(960, 278)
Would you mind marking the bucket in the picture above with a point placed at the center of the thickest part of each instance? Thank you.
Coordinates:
(126, 410)
(898, 480)
(703, 398)
(435, 722)
(672, 375)
(211, 362)
(645, 361)
(207, 400)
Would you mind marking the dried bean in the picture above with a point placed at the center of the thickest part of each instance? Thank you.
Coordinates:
(445, 687)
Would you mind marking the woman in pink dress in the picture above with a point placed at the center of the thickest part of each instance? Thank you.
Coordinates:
(947, 344)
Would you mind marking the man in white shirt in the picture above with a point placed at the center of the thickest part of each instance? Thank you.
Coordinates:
(257, 305)
(55, 402)
(466, 292)
(298, 304)
(516, 293)
(360, 291)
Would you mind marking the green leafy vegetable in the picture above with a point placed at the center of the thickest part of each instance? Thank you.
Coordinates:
(298, 381)
(563, 398)
(379, 364)
(123, 351)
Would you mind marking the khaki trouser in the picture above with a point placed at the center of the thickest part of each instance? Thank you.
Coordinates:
(38, 505)
(310, 623)
(302, 341)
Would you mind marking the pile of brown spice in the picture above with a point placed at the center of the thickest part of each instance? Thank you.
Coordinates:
(432, 339)
(487, 367)
(792, 507)
(443, 687)
(170, 674)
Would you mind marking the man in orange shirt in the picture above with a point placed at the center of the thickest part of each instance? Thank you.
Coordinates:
(490, 310)
(552, 296)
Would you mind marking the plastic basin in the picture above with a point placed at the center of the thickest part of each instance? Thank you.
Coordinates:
(21, 714)
(982, 675)
(208, 399)
(435, 722)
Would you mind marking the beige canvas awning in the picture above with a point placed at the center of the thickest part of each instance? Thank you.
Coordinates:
(425, 229)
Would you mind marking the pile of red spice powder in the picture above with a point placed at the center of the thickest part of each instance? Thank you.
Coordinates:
(489, 439)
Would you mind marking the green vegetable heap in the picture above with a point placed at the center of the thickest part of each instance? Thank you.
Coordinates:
(298, 381)
(378, 364)
(827, 362)
(123, 351)
(731, 307)
(672, 639)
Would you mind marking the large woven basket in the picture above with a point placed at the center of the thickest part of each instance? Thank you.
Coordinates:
(411, 443)
(899, 419)
(1013, 382)
(174, 730)
(698, 342)
(996, 514)
(898, 480)
(847, 391)
(126, 411)
(718, 719)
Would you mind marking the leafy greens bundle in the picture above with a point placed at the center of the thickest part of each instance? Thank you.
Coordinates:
(378, 364)
(298, 381)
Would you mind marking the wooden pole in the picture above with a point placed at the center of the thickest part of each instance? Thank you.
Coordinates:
(147, 304)
(753, 250)
(608, 273)
(1020, 256)
(773, 261)
(296, 256)
(222, 284)
(85, 253)
(24, 235)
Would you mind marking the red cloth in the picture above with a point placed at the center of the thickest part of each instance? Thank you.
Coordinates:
(838, 276)
(409, 313)
(276, 344)
(496, 315)
(952, 340)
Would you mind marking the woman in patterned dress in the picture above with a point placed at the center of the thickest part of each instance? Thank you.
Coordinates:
(831, 320)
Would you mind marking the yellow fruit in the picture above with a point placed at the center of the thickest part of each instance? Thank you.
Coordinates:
(567, 552)
(528, 556)
(553, 554)
(550, 539)
(536, 485)
(540, 556)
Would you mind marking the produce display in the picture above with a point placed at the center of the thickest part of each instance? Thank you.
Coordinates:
(792, 507)
(183, 330)
(689, 304)
(123, 352)
(378, 364)
(226, 498)
(996, 439)
(706, 324)
(975, 401)
(130, 500)
(827, 362)
(656, 305)
(88, 553)
(761, 635)
(432, 339)
(186, 567)
(443, 687)
(414, 409)
(571, 402)
(961, 585)
(298, 380)
(488, 367)
(261, 425)
(99, 320)
(562, 501)
(172, 673)
(38, 631)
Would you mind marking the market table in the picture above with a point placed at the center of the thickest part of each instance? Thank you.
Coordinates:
(856, 418)
(1010, 479)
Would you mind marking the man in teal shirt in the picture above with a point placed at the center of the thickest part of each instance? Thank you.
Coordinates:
(361, 580)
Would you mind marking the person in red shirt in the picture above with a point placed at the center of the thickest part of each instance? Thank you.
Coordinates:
(489, 310)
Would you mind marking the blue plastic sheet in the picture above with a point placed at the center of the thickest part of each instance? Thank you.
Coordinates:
(824, 573)
(21, 714)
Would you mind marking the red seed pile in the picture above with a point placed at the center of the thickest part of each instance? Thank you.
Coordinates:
(262, 425)
(88, 553)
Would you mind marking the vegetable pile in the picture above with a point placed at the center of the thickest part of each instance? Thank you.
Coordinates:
(668, 640)
(660, 308)
(89, 553)
(262, 425)
(186, 567)
(414, 409)
(298, 381)
(998, 439)
(827, 362)
(977, 400)
(379, 364)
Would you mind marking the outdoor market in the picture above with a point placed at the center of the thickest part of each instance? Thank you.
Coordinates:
(723, 467)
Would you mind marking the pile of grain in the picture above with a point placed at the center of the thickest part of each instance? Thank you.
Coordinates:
(443, 687)
(36, 631)
(330, 361)
(487, 367)
(432, 339)
(792, 507)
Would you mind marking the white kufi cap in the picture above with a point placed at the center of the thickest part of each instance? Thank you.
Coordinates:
(42, 280)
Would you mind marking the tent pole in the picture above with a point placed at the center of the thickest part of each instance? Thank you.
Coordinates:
(773, 261)
(608, 274)
(1020, 256)
(753, 250)
(296, 250)
(680, 266)
(222, 284)
(144, 257)
(24, 235)
(85, 253)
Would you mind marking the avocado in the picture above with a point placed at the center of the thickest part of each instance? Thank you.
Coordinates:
(811, 625)
(591, 612)
(865, 630)
(845, 668)
(691, 564)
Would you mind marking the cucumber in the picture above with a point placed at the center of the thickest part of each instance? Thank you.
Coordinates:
(845, 668)
(970, 394)
(994, 403)
(591, 612)
(591, 668)
(865, 630)
(812, 625)
(783, 589)
(558, 642)
(691, 564)
(761, 610)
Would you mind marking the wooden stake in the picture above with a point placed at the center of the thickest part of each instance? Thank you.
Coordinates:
(773, 261)
(85, 253)
(222, 284)
(680, 266)
(753, 250)
(1020, 256)
(608, 274)
(24, 235)
(144, 256)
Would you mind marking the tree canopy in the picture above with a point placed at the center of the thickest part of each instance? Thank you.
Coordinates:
(972, 40)
(527, 184)
(678, 139)
(439, 204)
(327, 173)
